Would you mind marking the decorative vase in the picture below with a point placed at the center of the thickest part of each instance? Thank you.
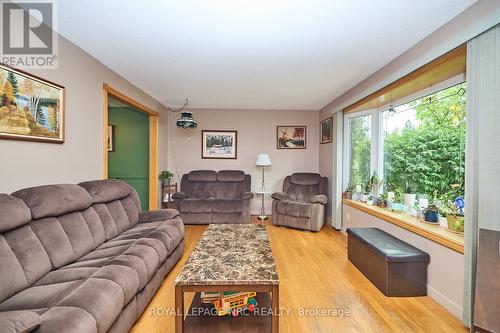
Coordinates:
(456, 223)
(348, 195)
(431, 216)
(409, 200)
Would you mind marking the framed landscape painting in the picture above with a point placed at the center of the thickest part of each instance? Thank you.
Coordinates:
(326, 130)
(291, 137)
(219, 144)
(30, 108)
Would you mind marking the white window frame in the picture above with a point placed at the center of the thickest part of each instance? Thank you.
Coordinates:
(374, 131)
(377, 130)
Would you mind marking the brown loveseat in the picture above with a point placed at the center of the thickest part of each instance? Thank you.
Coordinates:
(214, 197)
(82, 258)
(302, 203)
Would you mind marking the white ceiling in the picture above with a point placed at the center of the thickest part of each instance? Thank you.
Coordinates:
(262, 54)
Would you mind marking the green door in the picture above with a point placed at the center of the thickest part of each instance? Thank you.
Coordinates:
(130, 159)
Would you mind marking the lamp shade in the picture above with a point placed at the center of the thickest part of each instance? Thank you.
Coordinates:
(263, 160)
(186, 120)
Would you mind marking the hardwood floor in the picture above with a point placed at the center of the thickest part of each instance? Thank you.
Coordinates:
(315, 274)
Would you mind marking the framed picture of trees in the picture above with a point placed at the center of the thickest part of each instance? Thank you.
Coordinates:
(219, 144)
(291, 137)
(326, 130)
(31, 108)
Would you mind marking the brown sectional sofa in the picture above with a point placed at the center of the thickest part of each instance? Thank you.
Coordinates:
(214, 197)
(301, 205)
(82, 258)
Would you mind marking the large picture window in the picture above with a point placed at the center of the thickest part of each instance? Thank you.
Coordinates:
(424, 145)
(418, 143)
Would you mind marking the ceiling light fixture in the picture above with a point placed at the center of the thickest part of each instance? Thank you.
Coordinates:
(186, 119)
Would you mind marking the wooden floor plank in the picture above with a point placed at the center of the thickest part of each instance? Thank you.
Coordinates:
(315, 273)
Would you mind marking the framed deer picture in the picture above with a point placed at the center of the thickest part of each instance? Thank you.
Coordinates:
(291, 137)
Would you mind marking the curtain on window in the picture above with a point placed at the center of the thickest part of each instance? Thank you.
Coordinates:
(482, 150)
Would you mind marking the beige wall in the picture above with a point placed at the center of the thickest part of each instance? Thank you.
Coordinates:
(471, 22)
(256, 134)
(24, 164)
(325, 165)
(445, 273)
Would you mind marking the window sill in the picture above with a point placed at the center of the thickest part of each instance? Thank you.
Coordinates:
(434, 233)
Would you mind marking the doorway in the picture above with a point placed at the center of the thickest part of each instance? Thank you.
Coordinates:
(131, 145)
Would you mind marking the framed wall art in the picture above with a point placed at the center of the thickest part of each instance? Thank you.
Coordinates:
(291, 137)
(111, 138)
(217, 144)
(31, 108)
(326, 130)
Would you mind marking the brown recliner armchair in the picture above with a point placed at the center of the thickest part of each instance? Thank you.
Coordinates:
(302, 203)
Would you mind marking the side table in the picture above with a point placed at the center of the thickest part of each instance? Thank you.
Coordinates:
(263, 215)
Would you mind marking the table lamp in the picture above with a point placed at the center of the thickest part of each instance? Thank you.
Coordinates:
(263, 161)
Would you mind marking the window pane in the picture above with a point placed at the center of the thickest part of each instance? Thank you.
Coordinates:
(424, 145)
(360, 154)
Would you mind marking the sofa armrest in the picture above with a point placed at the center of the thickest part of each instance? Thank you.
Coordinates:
(320, 198)
(247, 195)
(280, 196)
(157, 215)
(19, 321)
(179, 195)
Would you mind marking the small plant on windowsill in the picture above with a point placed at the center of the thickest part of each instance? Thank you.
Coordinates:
(410, 194)
(382, 200)
(348, 191)
(370, 199)
(165, 177)
(375, 185)
(456, 218)
(431, 213)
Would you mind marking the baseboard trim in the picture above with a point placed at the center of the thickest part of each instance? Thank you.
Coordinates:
(447, 303)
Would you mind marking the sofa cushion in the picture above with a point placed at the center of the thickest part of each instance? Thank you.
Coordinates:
(303, 178)
(230, 176)
(230, 190)
(294, 208)
(13, 212)
(202, 195)
(228, 206)
(23, 261)
(158, 215)
(107, 190)
(202, 176)
(54, 200)
(19, 321)
(55, 320)
(196, 205)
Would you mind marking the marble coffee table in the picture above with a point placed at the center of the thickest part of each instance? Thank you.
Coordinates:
(229, 257)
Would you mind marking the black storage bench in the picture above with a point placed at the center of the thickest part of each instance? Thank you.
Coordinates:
(396, 268)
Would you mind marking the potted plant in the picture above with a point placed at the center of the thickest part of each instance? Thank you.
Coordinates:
(410, 194)
(456, 218)
(375, 185)
(382, 200)
(366, 195)
(348, 191)
(431, 213)
(165, 177)
(370, 199)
